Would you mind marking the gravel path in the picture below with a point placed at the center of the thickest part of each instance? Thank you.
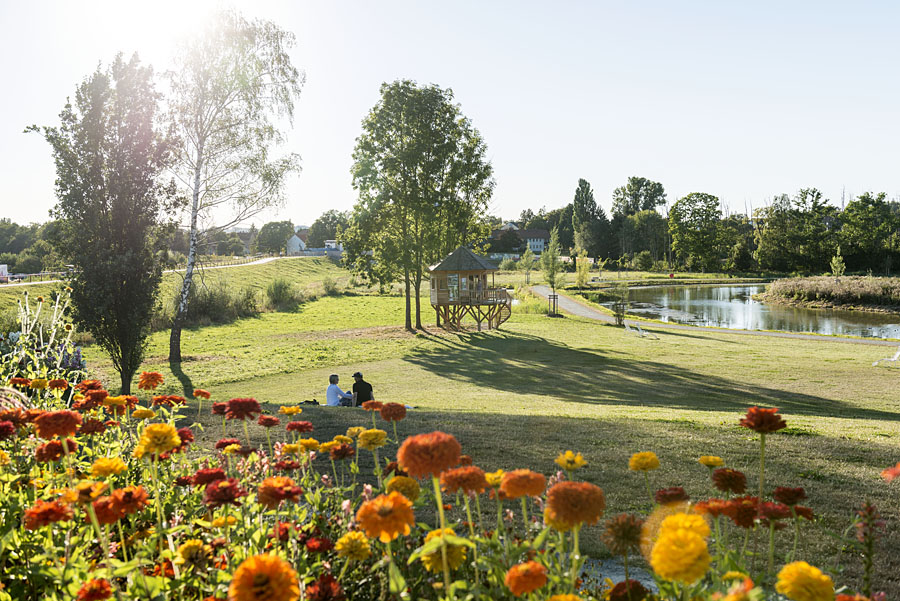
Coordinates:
(574, 307)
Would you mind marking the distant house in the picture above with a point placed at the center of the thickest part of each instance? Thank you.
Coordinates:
(509, 225)
(535, 239)
(295, 246)
(334, 249)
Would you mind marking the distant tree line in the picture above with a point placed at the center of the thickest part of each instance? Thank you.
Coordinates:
(800, 233)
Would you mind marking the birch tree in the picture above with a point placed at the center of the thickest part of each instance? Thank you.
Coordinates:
(230, 89)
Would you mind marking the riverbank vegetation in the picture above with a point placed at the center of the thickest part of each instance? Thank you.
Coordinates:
(861, 293)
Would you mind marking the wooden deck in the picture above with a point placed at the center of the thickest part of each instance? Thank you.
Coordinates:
(491, 306)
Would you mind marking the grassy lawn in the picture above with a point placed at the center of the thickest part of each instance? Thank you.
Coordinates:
(517, 396)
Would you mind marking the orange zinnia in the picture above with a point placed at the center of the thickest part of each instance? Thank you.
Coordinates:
(276, 489)
(393, 412)
(571, 504)
(57, 423)
(526, 577)
(149, 380)
(428, 454)
(96, 589)
(200, 393)
(130, 499)
(386, 517)
(763, 420)
(372, 405)
(468, 479)
(264, 578)
(522, 483)
(44, 513)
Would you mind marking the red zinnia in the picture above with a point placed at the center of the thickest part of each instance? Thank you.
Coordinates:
(319, 545)
(789, 496)
(186, 437)
(242, 409)
(53, 450)
(287, 465)
(7, 430)
(428, 454)
(92, 426)
(226, 442)
(326, 588)
(57, 423)
(204, 476)
(44, 512)
(804, 512)
(392, 412)
(219, 408)
(465, 460)
(106, 511)
(762, 420)
(21, 382)
(342, 451)
(268, 421)
(729, 480)
(300, 427)
(223, 492)
(774, 511)
(86, 385)
(743, 511)
(16, 416)
(674, 494)
(96, 589)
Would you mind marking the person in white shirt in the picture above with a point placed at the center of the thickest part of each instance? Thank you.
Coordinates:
(335, 397)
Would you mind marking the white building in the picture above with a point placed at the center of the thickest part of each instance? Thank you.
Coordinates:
(295, 245)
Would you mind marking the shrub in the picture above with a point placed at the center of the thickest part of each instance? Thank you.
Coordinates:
(852, 290)
(220, 304)
(281, 295)
(330, 286)
(508, 265)
(527, 302)
(643, 261)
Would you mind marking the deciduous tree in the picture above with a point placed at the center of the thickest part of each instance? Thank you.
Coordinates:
(327, 227)
(273, 236)
(230, 88)
(694, 222)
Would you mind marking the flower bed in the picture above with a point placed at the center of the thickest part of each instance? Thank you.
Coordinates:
(106, 497)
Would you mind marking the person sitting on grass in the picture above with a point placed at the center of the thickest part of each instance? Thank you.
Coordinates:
(362, 390)
(335, 396)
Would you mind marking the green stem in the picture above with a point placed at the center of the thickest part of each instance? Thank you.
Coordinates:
(396, 438)
(771, 566)
(440, 504)
(625, 563)
(796, 532)
(576, 557)
(478, 510)
(649, 492)
(762, 464)
(525, 513)
(246, 432)
(377, 467)
(472, 533)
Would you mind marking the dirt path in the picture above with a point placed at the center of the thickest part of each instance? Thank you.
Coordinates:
(570, 305)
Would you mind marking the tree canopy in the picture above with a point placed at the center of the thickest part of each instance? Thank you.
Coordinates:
(424, 182)
(327, 227)
(273, 236)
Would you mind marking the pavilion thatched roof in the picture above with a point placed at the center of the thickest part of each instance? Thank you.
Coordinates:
(463, 259)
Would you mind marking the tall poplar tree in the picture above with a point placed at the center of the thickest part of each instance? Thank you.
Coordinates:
(110, 154)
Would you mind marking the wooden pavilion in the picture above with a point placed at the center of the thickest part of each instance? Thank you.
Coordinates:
(459, 287)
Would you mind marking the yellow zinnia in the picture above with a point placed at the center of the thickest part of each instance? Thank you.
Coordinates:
(309, 444)
(157, 439)
(800, 581)
(734, 575)
(143, 413)
(341, 439)
(680, 556)
(221, 522)
(231, 449)
(570, 461)
(372, 439)
(325, 447)
(494, 479)
(643, 462)
(353, 545)
(711, 461)
(355, 431)
(193, 553)
(107, 466)
(290, 449)
(4, 457)
(406, 486)
(433, 561)
(114, 401)
(293, 410)
(38, 384)
(682, 521)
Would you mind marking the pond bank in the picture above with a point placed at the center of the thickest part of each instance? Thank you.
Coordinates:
(775, 299)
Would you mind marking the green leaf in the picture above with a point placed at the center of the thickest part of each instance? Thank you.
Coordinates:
(397, 584)
(541, 538)
(426, 549)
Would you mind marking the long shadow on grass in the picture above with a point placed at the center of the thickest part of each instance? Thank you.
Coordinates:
(514, 362)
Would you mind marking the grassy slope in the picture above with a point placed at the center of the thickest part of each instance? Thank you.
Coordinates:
(518, 396)
(302, 270)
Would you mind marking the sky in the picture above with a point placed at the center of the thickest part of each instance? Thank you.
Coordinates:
(743, 100)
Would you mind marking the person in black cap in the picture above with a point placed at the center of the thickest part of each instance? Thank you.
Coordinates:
(362, 390)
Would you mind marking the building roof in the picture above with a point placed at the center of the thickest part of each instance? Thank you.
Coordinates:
(463, 259)
(522, 234)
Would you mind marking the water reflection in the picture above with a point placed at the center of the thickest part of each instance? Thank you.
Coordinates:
(733, 307)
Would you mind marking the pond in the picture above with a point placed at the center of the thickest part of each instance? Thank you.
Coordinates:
(733, 307)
